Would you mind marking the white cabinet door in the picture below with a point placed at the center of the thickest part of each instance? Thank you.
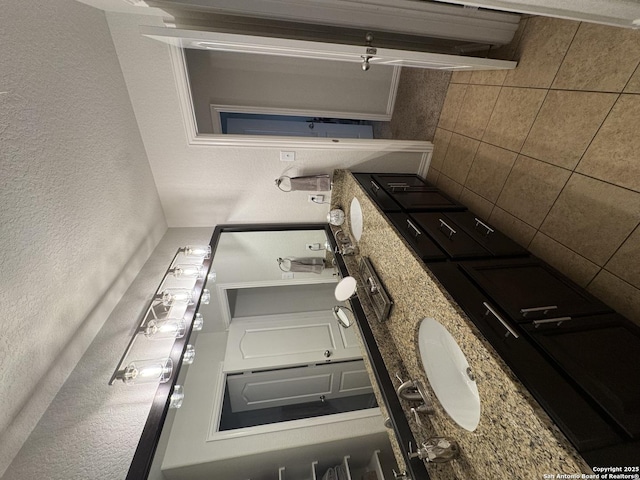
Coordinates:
(271, 341)
(252, 391)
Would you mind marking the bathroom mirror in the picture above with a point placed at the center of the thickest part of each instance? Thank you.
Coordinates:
(275, 378)
(343, 315)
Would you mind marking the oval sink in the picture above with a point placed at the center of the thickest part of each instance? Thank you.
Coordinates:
(355, 219)
(449, 374)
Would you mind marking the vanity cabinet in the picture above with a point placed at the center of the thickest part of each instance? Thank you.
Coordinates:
(377, 193)
(422, 244)
(398, 182)
(426, 201)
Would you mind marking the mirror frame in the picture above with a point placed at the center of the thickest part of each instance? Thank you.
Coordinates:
(143, 457)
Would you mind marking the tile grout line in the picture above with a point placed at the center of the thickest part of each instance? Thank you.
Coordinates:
(564, 57)
(633, 230)
(635, 70)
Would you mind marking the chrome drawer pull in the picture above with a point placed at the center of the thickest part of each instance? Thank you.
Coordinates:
(558, 320)
(480, 222)
(544, 310)
(398, 185)
(444, 224)
(501, 320)
(415, 229)
(375, 185)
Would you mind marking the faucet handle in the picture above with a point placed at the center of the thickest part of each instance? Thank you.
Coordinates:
(400, 475)
(417, 417)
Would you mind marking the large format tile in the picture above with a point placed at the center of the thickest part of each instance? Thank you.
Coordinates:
(440, 145)
(449, 186)
(460, 76)
(477, 204)
(600, 58)
(459, 157)
(574, 266)
(626, 261)
(614, 154)
(531, 189)
(489, 171)
(512, 117)
(476, 109)
(513, 227)
(509, 51)
(618, 294)
(540, 52)
(593, 218)
(565, 125)
(634, 84)
(451, 106)
(432, 175)
(488, 77)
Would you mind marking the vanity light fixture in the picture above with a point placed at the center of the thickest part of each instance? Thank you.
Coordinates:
(147, 371)
(212, 276)
(202, 251)
(205, 298)
(189, 355)
(187, 271)
(173, 296)
(198, 322)
(177, 397)
(169, 328)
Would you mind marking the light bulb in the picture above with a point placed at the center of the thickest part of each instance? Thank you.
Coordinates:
(212, 276)
(177, 397)
(202, 251)
(172, 296)
(169, 328)
(145, 371)
(206, 297)
(187, 271)
(189, 355)
(198, 322)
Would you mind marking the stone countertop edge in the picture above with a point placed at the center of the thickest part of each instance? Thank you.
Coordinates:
(515, 437)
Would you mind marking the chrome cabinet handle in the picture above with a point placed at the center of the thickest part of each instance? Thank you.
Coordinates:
(444, 224)
(375, 185)
(501, 320)
(415, 229)
(557, 320)
(480, 222)
(544, 310)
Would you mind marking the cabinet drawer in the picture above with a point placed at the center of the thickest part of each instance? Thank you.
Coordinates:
(377, 193)
(449, 236)
(427, 201)
(399, 182)
(486, 235)
(529, 289)
(421, 243)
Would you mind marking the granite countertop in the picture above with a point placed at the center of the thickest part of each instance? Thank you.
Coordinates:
(515, 438)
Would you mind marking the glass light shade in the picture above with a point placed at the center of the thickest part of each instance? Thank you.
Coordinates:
(146, 371)
(206, 296)
(202, 251)
(187, 271)
(189, 355)
(212, 275)
(169, 328)
(172, 296)
(198, 322)
(177, 397)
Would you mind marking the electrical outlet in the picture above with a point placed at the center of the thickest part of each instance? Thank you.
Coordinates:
(316, 198)
(287, 275)
(287, 156)
(314, 247)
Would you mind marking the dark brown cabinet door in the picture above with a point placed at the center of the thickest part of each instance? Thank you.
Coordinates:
(426, 201)
(377, 193)
(399, 182)
(449, 236)
(421, 243)
(486, 235)
(528, 289)
(601, 353)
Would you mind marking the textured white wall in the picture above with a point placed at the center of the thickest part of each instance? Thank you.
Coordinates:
(80, 212)
(201, 186)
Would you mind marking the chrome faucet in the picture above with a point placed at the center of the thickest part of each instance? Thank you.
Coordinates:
(437, 450)
(413, 391)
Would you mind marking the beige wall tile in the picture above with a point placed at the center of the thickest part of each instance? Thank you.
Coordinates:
(509, 51)
(432, 175)
(451, 106)
(477, 204)
(592, 218)
(531, 189)
(614, 154)
(634, 84)
(459, 157)
(600, 58)
(626, 261)
(618, 294)
(476, 109)
(574, 266)
(440, 145)
(565, 125)
(488, 77)
(543, 45)
(460, 77)
(449, 186)
(489, 171)
(514, 228)
(512, 117)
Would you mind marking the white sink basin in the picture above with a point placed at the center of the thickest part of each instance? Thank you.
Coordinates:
(355, 219)
(449, 374)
